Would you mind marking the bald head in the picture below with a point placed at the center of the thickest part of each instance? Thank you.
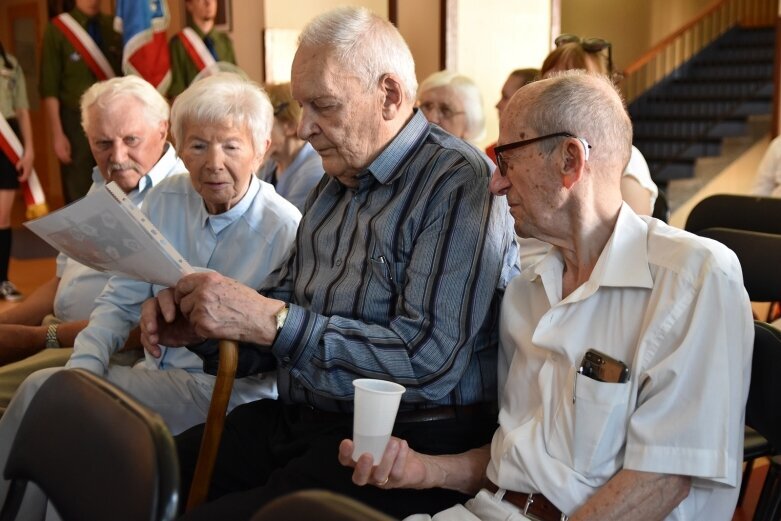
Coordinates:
(585, 105)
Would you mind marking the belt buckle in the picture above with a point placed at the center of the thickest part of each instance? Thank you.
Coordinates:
(533, 517)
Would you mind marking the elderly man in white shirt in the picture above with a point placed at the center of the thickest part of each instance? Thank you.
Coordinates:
(661, 439)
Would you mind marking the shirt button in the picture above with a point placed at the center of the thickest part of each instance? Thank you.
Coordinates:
(338, 262)
(286, 359)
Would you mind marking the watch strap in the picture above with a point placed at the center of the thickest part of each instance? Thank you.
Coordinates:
(51, 337)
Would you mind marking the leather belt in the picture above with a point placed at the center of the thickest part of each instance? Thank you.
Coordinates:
(534, 506)
(447, 412)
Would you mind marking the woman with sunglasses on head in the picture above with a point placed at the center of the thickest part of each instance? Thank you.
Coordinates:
(595, 55)
(453, 102)
(293, 166)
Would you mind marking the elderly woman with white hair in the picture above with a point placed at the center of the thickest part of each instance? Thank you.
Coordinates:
(220, 217)
(453, 102)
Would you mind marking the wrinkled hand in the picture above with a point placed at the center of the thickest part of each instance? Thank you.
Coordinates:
(219, 307)
(62, 148)
(161, 323)
(400, 467)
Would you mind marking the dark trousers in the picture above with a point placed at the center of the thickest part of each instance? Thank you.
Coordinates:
(269, 449)
(76, 177)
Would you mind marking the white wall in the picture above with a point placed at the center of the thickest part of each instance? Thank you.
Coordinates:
(494, 38)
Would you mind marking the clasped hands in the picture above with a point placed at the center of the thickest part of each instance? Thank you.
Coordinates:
(207, 306)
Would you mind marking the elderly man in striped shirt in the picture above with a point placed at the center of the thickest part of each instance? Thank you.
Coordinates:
(400, 261)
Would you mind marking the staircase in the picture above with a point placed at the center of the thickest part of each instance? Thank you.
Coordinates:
(706, 99)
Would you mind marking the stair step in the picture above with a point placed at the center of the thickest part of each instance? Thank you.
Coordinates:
(707, 99)
(663, 172)
(713, 91)
(659, 151)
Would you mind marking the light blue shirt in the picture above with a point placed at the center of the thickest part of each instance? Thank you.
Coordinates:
(79, 285)
(299, 178)
(245, 243)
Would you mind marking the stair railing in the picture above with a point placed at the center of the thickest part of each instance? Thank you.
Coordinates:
(673, 51)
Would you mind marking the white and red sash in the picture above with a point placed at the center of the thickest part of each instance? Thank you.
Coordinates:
(84, 45)
(196, 49)
(33, 194)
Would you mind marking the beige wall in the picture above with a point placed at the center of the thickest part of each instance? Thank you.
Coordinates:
(418, 23)
(494, 38)
(632, 26)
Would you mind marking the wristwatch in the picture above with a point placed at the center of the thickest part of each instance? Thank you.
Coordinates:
(51, 337)
(281, 316)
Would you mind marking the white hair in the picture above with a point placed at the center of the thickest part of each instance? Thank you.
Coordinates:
(103, 93)
(224, 97)
(467, 91)
(365, 43)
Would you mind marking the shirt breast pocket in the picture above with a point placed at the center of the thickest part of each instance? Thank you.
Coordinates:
(599, 425)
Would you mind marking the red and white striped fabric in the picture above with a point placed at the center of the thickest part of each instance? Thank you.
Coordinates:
(196, 49)
(84, 45)
(33, 193)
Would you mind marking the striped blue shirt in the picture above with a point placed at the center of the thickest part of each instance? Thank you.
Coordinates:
(397, 279)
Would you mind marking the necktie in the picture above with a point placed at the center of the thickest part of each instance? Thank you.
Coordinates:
(210, 45)
(93, 28)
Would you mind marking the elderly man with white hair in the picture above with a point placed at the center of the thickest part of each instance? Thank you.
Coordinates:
(395, 272)
(126, 123)
(219, 217)
(625, 351)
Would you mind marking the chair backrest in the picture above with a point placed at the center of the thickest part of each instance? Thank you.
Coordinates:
(661, 208)
(741, 212)
(760, 260)
(95, 452)
(763, 407)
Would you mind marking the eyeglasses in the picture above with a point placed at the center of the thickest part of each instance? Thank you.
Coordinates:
(501, 149)
(430, 108)
(591, 45)
(279, 108)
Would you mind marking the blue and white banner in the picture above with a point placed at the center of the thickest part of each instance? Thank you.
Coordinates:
(143, 24)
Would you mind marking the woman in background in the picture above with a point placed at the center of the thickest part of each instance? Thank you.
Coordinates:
(637, 188)
(517, 79)
(14, 109)
(453, 102)
(292, 165)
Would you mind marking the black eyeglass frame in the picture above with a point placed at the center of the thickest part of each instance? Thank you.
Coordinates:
(591, 45)
(499, 150)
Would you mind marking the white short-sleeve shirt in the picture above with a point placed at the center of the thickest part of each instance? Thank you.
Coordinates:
(671, 306)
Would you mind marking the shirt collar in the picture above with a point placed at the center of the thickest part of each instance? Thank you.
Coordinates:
(303, 154)
(221, 221)
(623, 261)
(387, 166)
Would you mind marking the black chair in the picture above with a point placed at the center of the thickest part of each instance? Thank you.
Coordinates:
(661, 208)
(95, 452)
(741, 212)
(760, 259)
(763, 413)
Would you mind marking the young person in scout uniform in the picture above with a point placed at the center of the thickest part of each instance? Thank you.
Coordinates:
(79, 48)
(197, 47)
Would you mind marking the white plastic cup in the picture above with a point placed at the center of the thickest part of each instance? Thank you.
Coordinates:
(376, 404)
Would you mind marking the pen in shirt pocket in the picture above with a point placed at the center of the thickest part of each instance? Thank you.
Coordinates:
(388, 274)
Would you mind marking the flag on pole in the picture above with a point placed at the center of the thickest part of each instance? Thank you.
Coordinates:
(143, 24)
